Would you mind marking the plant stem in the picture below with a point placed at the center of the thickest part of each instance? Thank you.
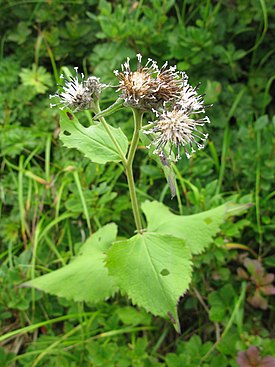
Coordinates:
(106, 127)
(128, 163)
(229, 324)
(129, 168)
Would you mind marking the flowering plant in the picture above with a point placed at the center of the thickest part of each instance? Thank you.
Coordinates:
(154, 267)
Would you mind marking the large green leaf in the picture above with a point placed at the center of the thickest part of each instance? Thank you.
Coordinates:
(154, 270)
(85, 278)
(93, 141)
(197, 229)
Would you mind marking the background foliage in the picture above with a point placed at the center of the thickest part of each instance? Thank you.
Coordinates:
(52, 198)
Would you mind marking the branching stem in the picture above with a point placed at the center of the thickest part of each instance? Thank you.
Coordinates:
(128, 162)
(106, 127)
(129, 168)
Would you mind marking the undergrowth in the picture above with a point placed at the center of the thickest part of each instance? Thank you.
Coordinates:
(52, 198)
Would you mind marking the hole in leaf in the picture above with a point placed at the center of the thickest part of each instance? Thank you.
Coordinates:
(208, 220)
(67, 133)
(165, 272)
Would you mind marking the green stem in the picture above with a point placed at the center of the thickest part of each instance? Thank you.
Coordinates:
(127, 163)
(229, 324)
(129, 168)
(106, 127)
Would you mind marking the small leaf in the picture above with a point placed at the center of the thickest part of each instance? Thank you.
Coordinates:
(251, 358)
(197, 230)
(85, 278)
(221, 303)
(257, 300)
(93, 141)
(21, 34)
(154, 270)
(37, 78)
(131, 316)
(261, 123)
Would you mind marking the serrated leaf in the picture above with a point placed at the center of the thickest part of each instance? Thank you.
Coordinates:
(197, 229)
(85, 278)
(93, 141)
(154, 270)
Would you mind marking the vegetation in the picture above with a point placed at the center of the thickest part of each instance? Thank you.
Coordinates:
(53, 199)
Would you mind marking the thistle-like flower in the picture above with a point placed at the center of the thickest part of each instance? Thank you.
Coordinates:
(176, 124)
(189, 99)
(177, 128)
(78, 94)
(149, 87)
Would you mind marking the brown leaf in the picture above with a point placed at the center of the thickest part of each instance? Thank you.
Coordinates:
(268, 362)
(268, 279)
(258, 301)
(249, 358)
(242, 273)
(255, 268)
(268, 289)
(252, 358)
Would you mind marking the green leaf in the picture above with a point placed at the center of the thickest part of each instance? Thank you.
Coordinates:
(197, 229)
(38, 78)
(221, 303)
(131, 316)
(93, 141)
(154, 270)
(85, 278)
(21, 34)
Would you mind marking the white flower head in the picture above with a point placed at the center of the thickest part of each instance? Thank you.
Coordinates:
(77, 93)
(189, 99)
(174, 129)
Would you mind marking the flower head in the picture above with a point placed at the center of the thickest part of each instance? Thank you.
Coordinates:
(148, 87)
(177, 128)
(189, 99)
(176, 123)
(78, 94)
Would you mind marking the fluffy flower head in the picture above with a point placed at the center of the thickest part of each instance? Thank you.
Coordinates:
(148, 87)
(78, 94)
(189, 99)
(177, 128)
(178, 123)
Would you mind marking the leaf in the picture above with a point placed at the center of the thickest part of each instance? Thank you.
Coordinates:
(21, 34)
(85, 278)
(131, 316)
(154, 270)
(93, 141)
(221, 303)
(197, 229)
(251, 358)
(37, 78)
